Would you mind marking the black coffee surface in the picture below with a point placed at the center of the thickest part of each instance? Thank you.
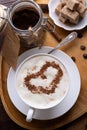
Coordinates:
(25, 18)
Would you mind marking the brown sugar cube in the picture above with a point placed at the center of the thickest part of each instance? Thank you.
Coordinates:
(59, 7)
(82, 1)
(64, 1)
(62, 19)
(81, 9)
(72, 4)
(74, 22)
(70, 15)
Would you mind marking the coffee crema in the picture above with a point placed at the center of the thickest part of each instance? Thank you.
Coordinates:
(25, 18)
(42, 81)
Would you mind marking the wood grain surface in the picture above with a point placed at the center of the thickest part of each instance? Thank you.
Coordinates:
(80, 107)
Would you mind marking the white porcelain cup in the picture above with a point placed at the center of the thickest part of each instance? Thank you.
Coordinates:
(42, 82)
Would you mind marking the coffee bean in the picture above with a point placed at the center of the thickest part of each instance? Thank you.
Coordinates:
(85, 55)
(79, 35)
(82, 47)
(73, 58)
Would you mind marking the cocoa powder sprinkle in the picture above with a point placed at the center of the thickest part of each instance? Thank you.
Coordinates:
(48, 89)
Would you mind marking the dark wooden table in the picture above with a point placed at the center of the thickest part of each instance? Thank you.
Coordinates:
(7, 123)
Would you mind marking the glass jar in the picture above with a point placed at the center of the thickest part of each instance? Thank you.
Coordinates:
(27, 20)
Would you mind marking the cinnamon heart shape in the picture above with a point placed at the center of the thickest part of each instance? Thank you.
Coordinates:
(53, 84)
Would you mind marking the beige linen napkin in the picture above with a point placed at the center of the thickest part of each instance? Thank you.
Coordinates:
(11, 47)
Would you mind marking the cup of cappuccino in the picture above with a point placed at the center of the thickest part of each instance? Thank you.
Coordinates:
(42, 82)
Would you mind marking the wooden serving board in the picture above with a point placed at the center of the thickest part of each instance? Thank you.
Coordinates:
(79, 108)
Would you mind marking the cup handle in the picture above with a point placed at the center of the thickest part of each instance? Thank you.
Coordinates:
(48, 25)
(30, 115)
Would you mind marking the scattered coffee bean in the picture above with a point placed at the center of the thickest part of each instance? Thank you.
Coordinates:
(73, 58)
(85, 55)
(82, 47)
(79, 35)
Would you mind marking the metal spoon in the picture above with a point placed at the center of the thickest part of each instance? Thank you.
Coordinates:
(65, 41)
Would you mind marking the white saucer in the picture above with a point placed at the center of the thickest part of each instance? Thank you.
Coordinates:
(68, 101)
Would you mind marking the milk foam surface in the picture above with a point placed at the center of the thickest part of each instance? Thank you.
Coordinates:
(41, 100)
